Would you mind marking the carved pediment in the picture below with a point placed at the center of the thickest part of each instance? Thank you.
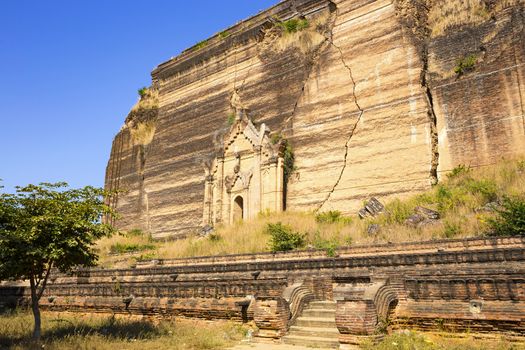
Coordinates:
(243, 131)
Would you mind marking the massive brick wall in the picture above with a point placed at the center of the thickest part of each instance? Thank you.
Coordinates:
(480, 116)
(371, 109)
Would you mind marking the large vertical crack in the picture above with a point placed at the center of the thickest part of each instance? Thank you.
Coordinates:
(413, 18)
(431, 116)
(353, 128)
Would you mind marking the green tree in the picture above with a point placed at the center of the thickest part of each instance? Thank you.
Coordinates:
(49, 226)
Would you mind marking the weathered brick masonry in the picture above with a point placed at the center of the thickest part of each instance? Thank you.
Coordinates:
(474, 284)
(375, 109)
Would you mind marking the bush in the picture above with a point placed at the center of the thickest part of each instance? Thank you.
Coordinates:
(283, 238)
(330, 246)
(294, 25)
(458, 171)
(510, 219)
(486, 188)
(332, 216)
(465, 64)
(142, 92)
(398, 211)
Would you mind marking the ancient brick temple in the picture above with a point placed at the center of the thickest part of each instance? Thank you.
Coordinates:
(373, 96)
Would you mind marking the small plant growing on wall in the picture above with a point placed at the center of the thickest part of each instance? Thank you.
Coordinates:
(224, 34)
(288, 155)
(294, 25)
(201, 44)
(231, 119)
(143, 91)
(465, 64)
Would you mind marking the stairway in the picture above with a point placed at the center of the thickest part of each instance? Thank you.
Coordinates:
(315, 327)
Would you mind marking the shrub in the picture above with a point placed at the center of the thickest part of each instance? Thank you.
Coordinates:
(288, 155)
(465, 64)
(485, 187)
(458, 171)
(330, 246)
(224, 34)
(398, 211)
(294, 25)
(143, 91)
(283, 238)
(332, 216)
(510, 219)
(449, 197)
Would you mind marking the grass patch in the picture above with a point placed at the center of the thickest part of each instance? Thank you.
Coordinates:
(200, 45)
(331, 217)
(75, 331)
(294, 25)
(414, 340)
(122, 248)
(447, 14)
(302, 34)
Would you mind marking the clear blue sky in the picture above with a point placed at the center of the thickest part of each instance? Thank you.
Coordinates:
(70, 70)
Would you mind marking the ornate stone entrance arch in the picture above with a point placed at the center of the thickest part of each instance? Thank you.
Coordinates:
(246, 177)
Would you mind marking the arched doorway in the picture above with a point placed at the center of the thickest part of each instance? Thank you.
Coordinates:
(238, 209)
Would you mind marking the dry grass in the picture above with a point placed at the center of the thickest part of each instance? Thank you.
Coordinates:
(307, 39)
(446, 14)
(142, 132)
(142, 119)
(150, 100)
(458, 199)
(76, 331)
(420, 341)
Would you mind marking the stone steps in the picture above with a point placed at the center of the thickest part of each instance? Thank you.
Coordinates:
(323, 305)
(314, 342)
(329, 332)
(318, 313)
(315, 322)
(315, 327)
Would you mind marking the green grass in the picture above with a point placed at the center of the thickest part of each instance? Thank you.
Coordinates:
(75, 331)
(294, 25)
(465, 64)
(122, 248)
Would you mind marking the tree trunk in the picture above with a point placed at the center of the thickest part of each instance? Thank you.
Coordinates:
(36, 310)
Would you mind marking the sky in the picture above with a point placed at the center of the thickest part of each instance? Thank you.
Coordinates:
(70, 71)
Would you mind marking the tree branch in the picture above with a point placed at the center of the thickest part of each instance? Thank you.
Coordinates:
(50, 266)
